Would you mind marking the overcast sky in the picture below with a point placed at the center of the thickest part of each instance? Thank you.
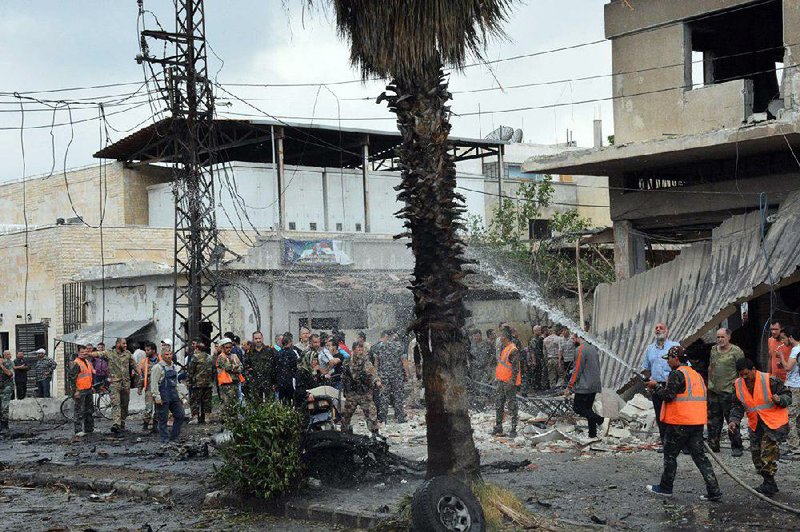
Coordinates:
(52, 44)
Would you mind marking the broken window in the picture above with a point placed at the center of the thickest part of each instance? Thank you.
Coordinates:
(292, 226)
(358, 227)
(338, 227)
(312, 226)
(743, 43)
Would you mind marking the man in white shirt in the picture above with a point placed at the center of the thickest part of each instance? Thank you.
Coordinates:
(790, 336)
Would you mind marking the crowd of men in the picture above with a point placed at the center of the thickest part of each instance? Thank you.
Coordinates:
(14, 379)
(690, 394)
(371, 376)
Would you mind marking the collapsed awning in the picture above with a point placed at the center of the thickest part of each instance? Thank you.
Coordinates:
(107, 332)
(699, 288)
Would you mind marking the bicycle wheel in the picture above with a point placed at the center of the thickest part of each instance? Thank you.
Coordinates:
(103, 405)
(68, 408)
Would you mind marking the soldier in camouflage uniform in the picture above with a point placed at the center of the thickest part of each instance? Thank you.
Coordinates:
(6, 388)
(228, 371)
(684, 411)
(121, 367)
(768, 423)
(359, 379)
(200, 376)
(388, 355)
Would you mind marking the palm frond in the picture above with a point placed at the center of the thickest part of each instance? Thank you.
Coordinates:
(400, 39)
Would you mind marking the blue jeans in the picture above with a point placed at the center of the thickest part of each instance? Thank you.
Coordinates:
(178, 415)
(43, 387)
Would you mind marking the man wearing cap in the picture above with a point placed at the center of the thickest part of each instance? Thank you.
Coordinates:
(200, 377)
(684, 412)
(43, 372)
(166, 346)
(228, 372)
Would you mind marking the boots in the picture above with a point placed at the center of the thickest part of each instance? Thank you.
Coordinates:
(513, 433)
(714, 444)
(497, 431)
(768, 487)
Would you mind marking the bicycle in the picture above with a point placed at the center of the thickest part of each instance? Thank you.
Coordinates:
(102, 405)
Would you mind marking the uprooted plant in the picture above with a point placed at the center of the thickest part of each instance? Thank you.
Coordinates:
(263, 455)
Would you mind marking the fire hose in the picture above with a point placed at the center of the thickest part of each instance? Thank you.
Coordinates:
(748, 488)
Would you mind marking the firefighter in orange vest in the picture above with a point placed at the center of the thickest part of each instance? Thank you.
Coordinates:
(79, 382)
(509, 377)
(684, 413)
(764, 399)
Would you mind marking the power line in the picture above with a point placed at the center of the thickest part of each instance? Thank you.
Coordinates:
(504, 196)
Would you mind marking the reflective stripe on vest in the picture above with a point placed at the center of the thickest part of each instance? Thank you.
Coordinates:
(690, 406)
(84, 379)
(504, 371)
(759, 404)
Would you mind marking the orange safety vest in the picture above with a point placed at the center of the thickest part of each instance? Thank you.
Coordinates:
(689, 407)
(84, 379)
(759, 404)
(144, 367)
(223, 377)
(776, 348)
(504, 372)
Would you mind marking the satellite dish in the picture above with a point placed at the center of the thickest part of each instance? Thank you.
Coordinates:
(503, 133)
(517, 137)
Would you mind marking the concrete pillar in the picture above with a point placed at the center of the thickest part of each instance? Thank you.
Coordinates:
(628, 250)
(598, 134)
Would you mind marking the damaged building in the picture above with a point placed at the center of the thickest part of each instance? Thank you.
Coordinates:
(306, 229)
(705, 158)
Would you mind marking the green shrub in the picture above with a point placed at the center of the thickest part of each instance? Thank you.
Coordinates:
(263, 456)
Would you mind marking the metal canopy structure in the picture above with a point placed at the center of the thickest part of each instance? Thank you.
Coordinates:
(107, 332)
(303, 145)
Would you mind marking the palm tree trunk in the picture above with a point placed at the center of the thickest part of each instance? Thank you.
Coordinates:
(432, 212)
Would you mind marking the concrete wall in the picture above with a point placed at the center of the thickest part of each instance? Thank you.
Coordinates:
(651, 56)
(255, 199)
(46, 198)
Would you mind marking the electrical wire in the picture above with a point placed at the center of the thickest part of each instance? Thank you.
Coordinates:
(24, 211)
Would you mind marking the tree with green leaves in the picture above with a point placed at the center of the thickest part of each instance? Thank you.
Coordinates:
(410, 42)
(551, 262)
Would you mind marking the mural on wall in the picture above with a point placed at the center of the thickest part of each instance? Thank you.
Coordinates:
(316, 252)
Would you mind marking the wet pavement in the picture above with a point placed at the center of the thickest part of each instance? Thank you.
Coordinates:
(574, 479)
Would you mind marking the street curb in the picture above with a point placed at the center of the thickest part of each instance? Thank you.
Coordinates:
(280, 508)
(307, 511)
(123, 487)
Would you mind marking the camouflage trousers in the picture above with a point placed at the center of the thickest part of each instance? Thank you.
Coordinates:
(764, 450)
(228, 394)
(200, 402)
(120, 395)
(678, 437)
(555, 372)
(794, 419)
(149, 407)
(393, 392)
(506, 394)
(5, 400)
(352, 402)
(719, 410)
(84, 411)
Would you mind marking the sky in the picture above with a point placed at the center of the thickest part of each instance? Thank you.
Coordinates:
(51, 44)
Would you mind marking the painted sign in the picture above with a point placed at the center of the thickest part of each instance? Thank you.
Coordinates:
(316, 252)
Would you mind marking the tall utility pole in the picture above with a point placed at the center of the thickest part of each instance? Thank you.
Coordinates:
(191, 101)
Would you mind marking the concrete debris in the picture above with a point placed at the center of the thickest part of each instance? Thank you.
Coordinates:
(547, 437)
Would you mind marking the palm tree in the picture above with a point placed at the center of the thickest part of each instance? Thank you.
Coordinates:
(411, 42)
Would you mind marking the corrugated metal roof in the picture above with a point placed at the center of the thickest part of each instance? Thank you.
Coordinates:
(699, 288)
(108, 332)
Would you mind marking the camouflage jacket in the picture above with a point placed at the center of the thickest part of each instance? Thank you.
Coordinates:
(359, 376)
(388, 359)
(200, 370)
(120, 366)
(230, 364)
(259, 366)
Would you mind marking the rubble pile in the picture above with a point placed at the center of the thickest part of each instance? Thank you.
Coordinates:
(632, 431)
